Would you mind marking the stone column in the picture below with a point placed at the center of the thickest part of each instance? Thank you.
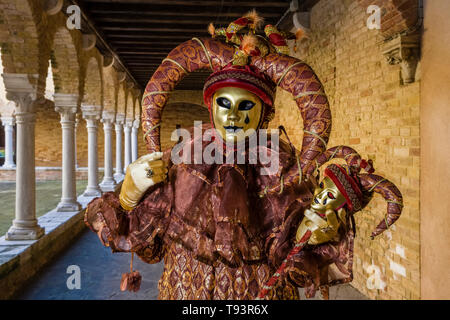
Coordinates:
(127, 135)
(22, 91)
(134, 140)
(119, 175)
(77, 120)
(108, 183)
(8, 123)
(92, 115)
(66, 105)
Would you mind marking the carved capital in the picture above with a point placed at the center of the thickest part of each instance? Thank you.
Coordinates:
(91, 112)
(136, 123)
(404, 51)
(129, 122)
(108, 116)
(21, 88)
(66, 103)
(8, 121)
(120, 118)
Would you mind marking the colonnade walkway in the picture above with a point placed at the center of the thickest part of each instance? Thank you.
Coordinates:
(101, 272)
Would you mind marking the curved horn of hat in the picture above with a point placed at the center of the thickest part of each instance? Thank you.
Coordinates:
(299, 79)
(374, 183)
(187, 57)
(350, 155)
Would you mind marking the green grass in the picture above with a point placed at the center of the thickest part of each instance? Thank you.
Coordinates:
(48, 195)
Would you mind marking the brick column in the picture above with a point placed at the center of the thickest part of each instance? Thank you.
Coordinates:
(134, 140)
(119, 175)
(108, 183)
(8, 123)
(23, 93)
(127, 135)
(66, 105)
(92, 115)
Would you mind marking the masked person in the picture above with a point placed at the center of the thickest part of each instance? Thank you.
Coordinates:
(223, 228)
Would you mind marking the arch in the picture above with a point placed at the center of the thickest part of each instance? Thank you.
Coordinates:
(65, 62)
(121, 99)
(92, 84)
(137, 108)
(110, 89)
(22, 48)
(49, 83)
(130, 105)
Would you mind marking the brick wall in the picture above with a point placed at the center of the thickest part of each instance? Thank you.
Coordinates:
(373, 113)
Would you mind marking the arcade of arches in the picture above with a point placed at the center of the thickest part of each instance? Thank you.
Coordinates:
(70, 111)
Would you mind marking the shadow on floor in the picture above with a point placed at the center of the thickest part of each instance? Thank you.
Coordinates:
(101, 272)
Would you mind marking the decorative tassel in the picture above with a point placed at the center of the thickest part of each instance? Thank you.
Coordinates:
(212, 30)
(131, 281)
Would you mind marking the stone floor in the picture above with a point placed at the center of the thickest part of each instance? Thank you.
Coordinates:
(48, 195)
(101, 272)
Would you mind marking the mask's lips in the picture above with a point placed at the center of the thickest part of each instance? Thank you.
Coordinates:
(232, 129)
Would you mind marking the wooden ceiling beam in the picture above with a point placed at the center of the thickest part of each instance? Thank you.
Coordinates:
(206, 3)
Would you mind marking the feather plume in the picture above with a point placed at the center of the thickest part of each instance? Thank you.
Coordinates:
(248, 43)
(211, 29)
(300, 34)
(255, 18)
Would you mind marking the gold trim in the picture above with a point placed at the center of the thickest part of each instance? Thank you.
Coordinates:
(206, 51)
(173, 61)
(150, 130)
(334, 153)
(287, 70)
(350, 154)
(309, 93)
(317, 136)
(376, 184)
(395, 202)
(153, 93)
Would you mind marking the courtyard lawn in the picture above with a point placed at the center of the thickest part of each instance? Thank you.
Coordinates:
(48, 195)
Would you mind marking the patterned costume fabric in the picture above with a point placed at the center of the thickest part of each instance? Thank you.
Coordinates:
(220, 235)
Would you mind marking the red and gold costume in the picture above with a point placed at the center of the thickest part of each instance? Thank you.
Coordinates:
(224, 229)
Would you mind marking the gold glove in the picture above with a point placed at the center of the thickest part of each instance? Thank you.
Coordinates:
(143, 173)
(322, 230)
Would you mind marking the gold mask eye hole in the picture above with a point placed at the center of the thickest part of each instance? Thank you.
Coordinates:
(223, 102)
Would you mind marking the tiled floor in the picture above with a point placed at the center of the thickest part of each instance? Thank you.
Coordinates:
(101, 272)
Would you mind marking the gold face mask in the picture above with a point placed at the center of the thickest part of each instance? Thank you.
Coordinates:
(235, 111)
(327, 196)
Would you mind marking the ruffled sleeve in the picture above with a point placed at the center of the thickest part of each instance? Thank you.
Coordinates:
(140, 230)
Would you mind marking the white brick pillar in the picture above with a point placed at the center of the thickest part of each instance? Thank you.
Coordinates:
(108, 183)
(127, 135)
(134, 140)
(20, 90)
(119, 175)
(8, 123)
(92, 116)
(66, 105)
